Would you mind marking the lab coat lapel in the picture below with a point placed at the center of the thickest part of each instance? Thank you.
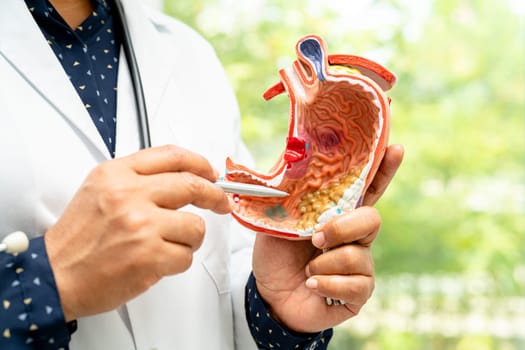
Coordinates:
(25, 48)
(155, 61)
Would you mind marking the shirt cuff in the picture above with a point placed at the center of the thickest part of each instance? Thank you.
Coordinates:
(269, 334)
(31, 315)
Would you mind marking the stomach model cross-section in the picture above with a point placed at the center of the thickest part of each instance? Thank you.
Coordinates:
(337, 136)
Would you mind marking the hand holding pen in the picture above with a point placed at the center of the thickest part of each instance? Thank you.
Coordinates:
(125, 217)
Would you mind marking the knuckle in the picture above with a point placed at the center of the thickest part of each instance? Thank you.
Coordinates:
(372, 287)
(370, 266)
(132, 221)
(111, 194)
(112, 197)
(185, 260)
(149, 280)
(98, 178)
(200, 224)
(195, 186)
(171, 150)
(338, 229)
(173, 153)
(374, 219)
(347, 259)
(196, 228)
(362, 291)
(102, 171)
(200, 229)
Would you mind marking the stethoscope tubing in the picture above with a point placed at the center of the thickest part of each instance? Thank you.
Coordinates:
(136, 81)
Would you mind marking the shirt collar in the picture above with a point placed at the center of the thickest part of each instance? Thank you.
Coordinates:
(50, 20)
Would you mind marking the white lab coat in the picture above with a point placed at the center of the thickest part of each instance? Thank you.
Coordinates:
(48, 144)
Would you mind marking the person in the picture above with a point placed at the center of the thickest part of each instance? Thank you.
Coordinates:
(130, 248)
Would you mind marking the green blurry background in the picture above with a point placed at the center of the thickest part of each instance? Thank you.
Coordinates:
(450, 256)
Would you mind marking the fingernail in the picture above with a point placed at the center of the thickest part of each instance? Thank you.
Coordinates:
(319, 239)
(312, 283)
(307, 271)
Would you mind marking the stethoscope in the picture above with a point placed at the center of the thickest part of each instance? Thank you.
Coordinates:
(136, 81)
(18, 241)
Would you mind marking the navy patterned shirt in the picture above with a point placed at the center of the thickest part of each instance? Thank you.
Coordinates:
(30, 313)
(89, 55)
(269, 334)
(31, 316)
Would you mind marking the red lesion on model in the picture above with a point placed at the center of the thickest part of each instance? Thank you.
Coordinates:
(295, 149)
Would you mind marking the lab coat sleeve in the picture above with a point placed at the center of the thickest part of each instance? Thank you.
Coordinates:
(241, 266)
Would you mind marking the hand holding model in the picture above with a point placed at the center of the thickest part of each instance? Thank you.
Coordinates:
(294, 278)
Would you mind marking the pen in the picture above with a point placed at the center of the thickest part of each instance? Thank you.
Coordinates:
(249, 189)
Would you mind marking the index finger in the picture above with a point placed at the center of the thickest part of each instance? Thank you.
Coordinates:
(170, 158)
(358, 226)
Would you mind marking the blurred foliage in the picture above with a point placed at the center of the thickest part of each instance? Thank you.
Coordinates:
(457, 205)
(388, 340)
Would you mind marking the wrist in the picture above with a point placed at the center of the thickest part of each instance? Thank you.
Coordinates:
(269, 299)
(276, 303)
(62, 287)
(268, 328)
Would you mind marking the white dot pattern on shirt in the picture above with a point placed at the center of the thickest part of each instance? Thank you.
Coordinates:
(269, 334)
(28, 308)
(89, 56)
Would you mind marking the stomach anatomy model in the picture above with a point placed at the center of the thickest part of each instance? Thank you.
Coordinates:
(338, 132)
